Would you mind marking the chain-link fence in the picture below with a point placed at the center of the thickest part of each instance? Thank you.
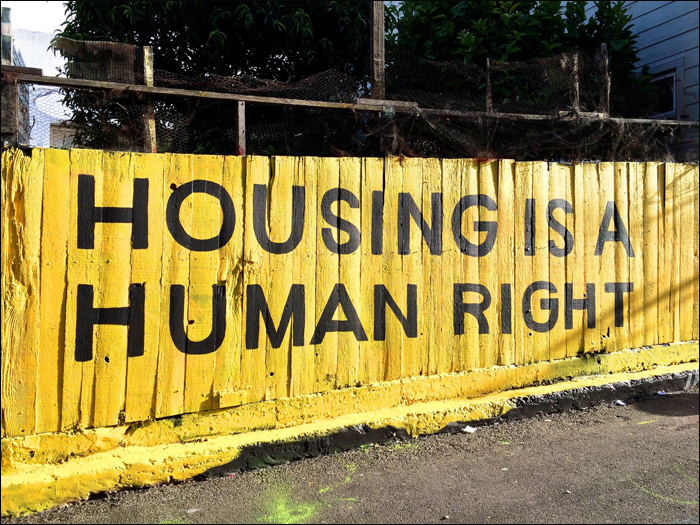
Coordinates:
(550, 109)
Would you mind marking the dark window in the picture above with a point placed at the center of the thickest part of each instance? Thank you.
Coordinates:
(666, 85)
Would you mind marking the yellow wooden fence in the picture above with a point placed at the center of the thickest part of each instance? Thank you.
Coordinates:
(138, 286)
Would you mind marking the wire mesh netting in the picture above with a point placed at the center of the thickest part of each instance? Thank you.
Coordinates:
(547, 109)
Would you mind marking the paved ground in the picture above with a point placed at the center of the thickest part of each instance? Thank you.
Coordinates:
(619, 464)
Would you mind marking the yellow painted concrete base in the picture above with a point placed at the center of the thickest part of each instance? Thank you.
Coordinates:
(48, 469)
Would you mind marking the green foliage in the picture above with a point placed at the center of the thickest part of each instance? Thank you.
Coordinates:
(519, 31)
(284, 41)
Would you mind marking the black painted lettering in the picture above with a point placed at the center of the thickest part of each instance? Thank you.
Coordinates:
(506, 309)
(172, 216)
(177, 321)
(619, 235)
(432, 235)
(294, 309)
(260, 222)
(87, 316)
(491, 227)
(409, 322)
(619, 289)
(530, 227)
(377, 222)
(89, 214)
(339, 297)
(337, 195)
(475, 309)
(548, 303)
(571, 304)
(558, 227)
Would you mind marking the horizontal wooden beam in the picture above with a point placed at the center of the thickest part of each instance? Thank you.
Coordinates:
(362, 104)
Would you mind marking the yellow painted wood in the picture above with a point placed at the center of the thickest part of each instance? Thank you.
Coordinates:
(540, 268)
(327, 276)
(52, 296)
(23, 186)
(256, 272)
(207, 219)
(686, 278)
(622, 260)
(45, 389)
(78, 377)
(523, 263)
(414, 350)
(653, 218)
(675, 299)
(574, 262)
(146, 266)
(304, 261)
(636, 263)
(591, 265)
(227, 366)
(558, 176)
(281, 278)
(112, 291)
(470, 357)
(393, 267)
(606, 303)
(372, 353)
(451, 272)
(349, 275)
(505, 256)
(488, 275)
(696, 252)
(170, 382)
(432, 331)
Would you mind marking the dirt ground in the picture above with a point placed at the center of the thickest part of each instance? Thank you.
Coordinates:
(636, 463)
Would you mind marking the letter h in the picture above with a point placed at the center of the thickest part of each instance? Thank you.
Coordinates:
(87, 316)
(89, 214)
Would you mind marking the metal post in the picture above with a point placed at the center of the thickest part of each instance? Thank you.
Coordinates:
(577, 87)
(377, 49)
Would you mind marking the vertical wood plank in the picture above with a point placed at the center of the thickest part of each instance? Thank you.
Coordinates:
(327, 277)
(665, 185)
(636, 263)
(349, 273)
(112, 290)
(277, 360)
(523, 260)
(488, 264)
(688, 218)
(469, 355)
(207, 218)
(622, 259)
(392, 267)
(227, 365)
(696, 251)
(302, 359)
(540, 270)
(170, 386)
(558, 176)
(374, 239)
(414, 349)
(591, 270)
(452, 260)
(506, 248)
(606, 259)
(652, 216)
(54, 245)
(23, 179)
(433, 329)
(256, 273)
(575, 340)
(146, 269)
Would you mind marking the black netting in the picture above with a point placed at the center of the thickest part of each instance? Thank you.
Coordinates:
(541, 109)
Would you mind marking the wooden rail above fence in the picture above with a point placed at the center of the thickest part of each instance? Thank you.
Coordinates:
(398, 106)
